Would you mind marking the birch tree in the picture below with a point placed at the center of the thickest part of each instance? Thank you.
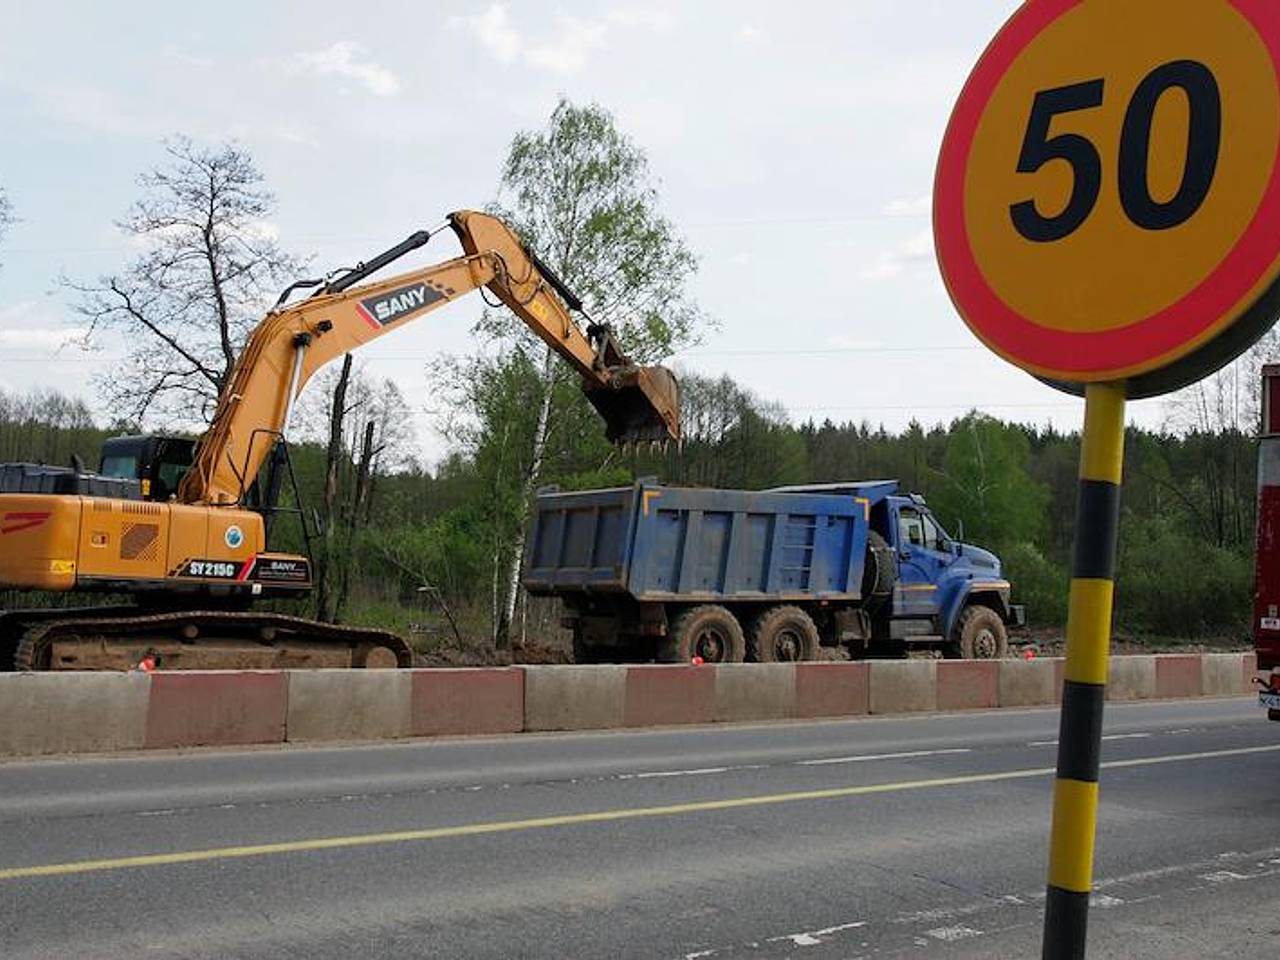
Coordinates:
(581, 194)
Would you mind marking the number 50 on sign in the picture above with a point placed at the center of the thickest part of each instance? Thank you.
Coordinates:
(1107, 205)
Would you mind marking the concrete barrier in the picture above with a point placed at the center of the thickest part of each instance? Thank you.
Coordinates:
(216, 709)
(903, 686)
(744, 691)
(1177, 675)
(968, 684)
(95, 712)
(574, 697)
(1132, 678)
(466, 701)
(348, 704)
(832, 690)
(661, 695)
(72, 712)
(1222, 674)
(1028, 683)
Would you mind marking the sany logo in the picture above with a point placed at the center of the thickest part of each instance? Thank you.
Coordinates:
(397, 304)
(14, 522)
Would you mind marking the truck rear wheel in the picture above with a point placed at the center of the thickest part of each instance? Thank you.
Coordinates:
(980, 634)
(709, 631)
(782, 635)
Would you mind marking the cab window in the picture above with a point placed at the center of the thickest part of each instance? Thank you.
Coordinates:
(123, 467)
(910, 527)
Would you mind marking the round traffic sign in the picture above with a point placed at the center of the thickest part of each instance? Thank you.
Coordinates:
(1107, 202)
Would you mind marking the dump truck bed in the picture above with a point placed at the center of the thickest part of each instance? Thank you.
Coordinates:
(659, 543)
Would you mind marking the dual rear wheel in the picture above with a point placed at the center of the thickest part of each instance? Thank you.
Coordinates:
(713, 634)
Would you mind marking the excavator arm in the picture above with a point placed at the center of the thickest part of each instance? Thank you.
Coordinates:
(293, 342)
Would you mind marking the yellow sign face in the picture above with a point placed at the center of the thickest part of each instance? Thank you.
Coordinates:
(1108, 192)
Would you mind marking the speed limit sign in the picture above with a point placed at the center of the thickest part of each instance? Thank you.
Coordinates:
(1107, 203)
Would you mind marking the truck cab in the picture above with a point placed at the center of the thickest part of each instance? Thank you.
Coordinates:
(939, 577)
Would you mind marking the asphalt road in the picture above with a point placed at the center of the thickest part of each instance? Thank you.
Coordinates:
(866, 838)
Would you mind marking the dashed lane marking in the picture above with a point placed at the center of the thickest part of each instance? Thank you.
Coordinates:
(576, 819)
(861, 758)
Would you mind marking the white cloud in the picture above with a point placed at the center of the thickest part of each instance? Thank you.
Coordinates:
(909, 206)
(494, 31)
(174, 52)
(573, 39)
(343, 59)
(915, 251)
(31, 325)
(642, 17)
(750, 33)
(568, 52)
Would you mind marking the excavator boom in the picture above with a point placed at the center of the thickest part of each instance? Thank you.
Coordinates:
(295, 341)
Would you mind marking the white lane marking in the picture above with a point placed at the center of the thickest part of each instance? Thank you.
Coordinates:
(701, 771)
(813, 938)
(949, 934)
(1104, 902)
(699, 955)
(882, 756)
(1126, 736)
(1043, 743)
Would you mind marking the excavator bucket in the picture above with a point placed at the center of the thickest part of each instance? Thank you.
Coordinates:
(640, 404)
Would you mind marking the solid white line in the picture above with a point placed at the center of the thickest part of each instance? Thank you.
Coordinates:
(1126, 736)
(882, 756)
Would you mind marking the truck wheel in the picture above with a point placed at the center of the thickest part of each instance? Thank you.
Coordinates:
(879, 571)
(710, 632)
(981, 634)
(783, 634)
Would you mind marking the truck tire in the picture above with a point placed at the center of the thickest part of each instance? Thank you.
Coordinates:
(880, 571)
(709, 631)
(782, 635)
(980, 634)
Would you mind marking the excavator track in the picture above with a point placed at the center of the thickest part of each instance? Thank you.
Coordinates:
(119, 638)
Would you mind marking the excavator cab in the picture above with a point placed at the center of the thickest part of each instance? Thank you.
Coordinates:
(159, 463)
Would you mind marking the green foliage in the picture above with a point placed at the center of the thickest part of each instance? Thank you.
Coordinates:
(1174, 584)
(452, 532)
(1040, 583)
(985, 483)
(579, 192)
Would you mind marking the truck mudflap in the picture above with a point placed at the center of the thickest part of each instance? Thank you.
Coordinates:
(1017, 615)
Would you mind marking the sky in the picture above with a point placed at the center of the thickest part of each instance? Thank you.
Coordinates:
(794, 152)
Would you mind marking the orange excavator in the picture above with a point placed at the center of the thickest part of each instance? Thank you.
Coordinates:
(182, 526)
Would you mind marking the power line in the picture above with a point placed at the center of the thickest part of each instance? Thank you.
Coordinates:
(399, 358)
(687, 224)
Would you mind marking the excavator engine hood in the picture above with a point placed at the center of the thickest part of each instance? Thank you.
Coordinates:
(639, 404)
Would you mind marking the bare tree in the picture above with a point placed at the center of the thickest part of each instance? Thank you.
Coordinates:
(208, 270)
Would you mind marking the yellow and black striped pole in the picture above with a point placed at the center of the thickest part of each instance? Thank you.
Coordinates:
(1075, 795)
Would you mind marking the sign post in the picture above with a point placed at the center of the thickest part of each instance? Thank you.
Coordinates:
(1105, 216)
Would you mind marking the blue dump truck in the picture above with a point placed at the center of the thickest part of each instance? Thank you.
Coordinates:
(652, 572)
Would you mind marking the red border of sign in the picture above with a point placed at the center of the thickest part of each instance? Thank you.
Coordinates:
(1132, 348)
